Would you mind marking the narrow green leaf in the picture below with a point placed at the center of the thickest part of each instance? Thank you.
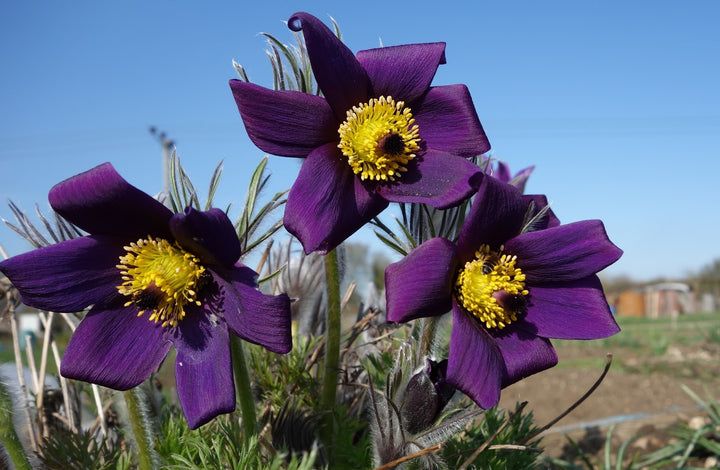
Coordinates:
(273, 274)
(607, 464)
(391, 244)
(214, 183)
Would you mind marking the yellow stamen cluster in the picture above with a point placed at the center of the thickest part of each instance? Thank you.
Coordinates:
(378, 138)
(161, 278)
(490, 273)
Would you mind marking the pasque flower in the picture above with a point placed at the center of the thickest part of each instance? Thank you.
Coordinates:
(380, 133)
(502, 172)
(152, 280)
(515, 278)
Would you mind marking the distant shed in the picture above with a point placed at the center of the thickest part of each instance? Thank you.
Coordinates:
(663, 299)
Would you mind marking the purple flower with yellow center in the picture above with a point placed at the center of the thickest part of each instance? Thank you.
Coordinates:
(380, 133)
(152, 279)
(514, 279)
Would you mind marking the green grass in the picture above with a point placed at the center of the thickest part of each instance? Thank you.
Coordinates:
(685, 318)
(654, 336)
(642, 346)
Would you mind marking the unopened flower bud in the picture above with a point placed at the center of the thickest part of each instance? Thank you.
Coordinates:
(426, 395)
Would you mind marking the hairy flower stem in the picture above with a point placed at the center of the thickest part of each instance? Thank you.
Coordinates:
(427, 335)
(242, 387)
(332, 344)
(8, 436)
(139, 425)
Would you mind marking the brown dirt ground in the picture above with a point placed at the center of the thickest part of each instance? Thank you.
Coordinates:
(641, 394)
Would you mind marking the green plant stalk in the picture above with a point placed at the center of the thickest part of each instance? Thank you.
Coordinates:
(243, 391)
(332, 341)
(427, 336)
(8, 436)
(10, 440)
(139, 428)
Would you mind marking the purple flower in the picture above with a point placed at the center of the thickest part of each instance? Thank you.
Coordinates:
(381, 133)
(509, 289)
(502, 173)
(152, 280)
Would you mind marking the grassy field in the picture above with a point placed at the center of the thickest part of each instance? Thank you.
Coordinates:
(654, 362)
(653, 337)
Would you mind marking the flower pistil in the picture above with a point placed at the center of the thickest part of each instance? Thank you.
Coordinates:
(492, 288)
(378, 138)
(162, 278)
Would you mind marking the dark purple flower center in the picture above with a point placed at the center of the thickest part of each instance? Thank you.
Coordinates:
(378, 138)
(492, 288)
(392, 144)
(148, 299)
(161, 278)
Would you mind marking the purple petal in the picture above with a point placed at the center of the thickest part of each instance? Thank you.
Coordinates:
(253, 316)
(524, 354)
(338, 73)
(563, 253)
(209, 235)
(420, 284)
(571, 310)
(475, 364)
(203, 368)
(115, 348)
(328, 203)
(502, 173)
(402, 72)
(549, 219)
(520, 179)
(286, 123)
(496, 215)
(101, 202)
(67, 277)
(447, 121)
(436, 178)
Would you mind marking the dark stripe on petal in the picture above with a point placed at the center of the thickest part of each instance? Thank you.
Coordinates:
(286, 123)
(339, 75)
(67, 277)
(403, 72)
(203, 368)
(420, 284)
(115, 348)
(101, 202)
(328, 203)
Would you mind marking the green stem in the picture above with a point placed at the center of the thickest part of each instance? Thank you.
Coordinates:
(428, 328)
(332, 344)
(139, 428)
(15, 450)
(8, 436)
(242, 387)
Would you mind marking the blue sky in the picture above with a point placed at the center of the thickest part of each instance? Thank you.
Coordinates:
(616, 103)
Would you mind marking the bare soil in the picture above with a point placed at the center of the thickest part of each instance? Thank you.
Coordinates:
(641, 395)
